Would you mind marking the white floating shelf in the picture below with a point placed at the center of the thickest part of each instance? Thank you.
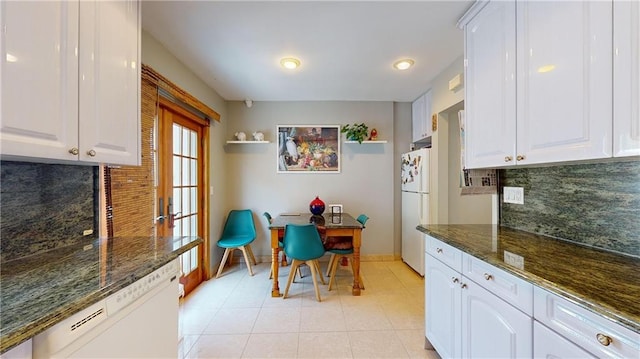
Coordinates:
(379, 141)
(243, 142)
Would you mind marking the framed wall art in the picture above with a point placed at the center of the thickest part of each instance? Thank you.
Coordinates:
(308, 149)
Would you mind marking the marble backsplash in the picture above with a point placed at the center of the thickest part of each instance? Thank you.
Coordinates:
(45, 206)
(592, 204)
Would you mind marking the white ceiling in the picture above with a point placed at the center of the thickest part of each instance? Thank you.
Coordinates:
(346, 48)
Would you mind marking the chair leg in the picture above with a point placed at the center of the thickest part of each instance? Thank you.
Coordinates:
(331, 259)
(231, 255)
(246, 259)
(253, 259)
(334, 269)
(317, 264)
(292, 273)
(313, 267)
(223, 261)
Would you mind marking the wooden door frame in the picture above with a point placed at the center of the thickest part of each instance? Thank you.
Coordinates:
(203, 199)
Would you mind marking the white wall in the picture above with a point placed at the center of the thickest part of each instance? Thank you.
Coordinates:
(402, 143)
(365, 184)
(450, 206)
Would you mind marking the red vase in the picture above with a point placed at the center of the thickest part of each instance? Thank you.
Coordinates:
(316, 206)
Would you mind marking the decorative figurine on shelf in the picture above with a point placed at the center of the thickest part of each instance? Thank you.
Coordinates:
(316, 206)
(241, 136)
(258, 136)
(374, 135)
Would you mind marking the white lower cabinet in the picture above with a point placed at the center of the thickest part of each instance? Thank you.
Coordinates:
(549, 344)
(492, 328)
(477, 310)
(465, 320)
(443, 317)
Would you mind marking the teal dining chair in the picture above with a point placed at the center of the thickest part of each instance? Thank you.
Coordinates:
(267, 215)
(238, 233)
(302, 243)
(336, 254)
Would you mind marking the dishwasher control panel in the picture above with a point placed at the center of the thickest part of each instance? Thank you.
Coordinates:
(146, 284)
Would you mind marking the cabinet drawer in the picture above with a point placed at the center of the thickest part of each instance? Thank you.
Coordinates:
(549, 344)
(510, 288)
(590, 331)
(447, 254)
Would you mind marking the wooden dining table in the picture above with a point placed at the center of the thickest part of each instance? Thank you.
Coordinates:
(343, 226)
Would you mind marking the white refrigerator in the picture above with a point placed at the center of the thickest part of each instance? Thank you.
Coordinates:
(415, 206)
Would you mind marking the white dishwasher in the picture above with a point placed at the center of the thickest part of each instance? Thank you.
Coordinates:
(139, 321)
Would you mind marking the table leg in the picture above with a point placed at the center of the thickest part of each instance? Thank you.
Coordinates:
(357, 240)
(275, 290)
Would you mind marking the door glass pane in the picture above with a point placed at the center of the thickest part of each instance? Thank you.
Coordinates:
(177, 137)
(194, 143)
(194, 172)
(186, 209)
(176, 171)
(185, 172)
(177, 230)
(194, 257)
(186, 136)
(177, 200)
(194, 193)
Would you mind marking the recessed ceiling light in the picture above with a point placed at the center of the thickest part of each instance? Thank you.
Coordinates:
(403, 64)
(290, 63)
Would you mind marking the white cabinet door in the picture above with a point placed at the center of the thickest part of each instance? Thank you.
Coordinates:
(418, 113)
(626, 78)
(490, 86)
(442, 314)
(491, 328)
(110, 82)
(549, 344)
(39, 79)
(564, 102)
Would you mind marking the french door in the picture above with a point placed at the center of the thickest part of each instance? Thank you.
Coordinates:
(180, 200)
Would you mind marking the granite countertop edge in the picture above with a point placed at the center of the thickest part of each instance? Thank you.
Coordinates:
(23, 333)
(566, 293)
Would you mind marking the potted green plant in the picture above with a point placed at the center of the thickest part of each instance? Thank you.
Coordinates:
(356, 132)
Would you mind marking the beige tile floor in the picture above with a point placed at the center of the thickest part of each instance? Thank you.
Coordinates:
(235, 316)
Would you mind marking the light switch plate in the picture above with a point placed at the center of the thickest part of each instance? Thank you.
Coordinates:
(513, 195)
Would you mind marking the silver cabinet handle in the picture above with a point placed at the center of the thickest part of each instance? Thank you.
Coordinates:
(439, 250)
(74, 151)
(508, 158)
(488, 276)
(455, 280)
(91, 153)
(520, 158)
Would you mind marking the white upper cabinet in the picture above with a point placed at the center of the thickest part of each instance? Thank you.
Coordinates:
(110, 82)
(538, 82)
(71, 84)
(421, 117)
(39, 78)
(490, 90)
(626, 78)
(564, 99)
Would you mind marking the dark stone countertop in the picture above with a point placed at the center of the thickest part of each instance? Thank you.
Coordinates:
(604, 282)
(41, 290)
